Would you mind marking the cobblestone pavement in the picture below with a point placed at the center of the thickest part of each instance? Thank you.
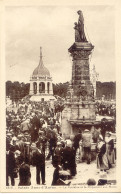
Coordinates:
(84, 172)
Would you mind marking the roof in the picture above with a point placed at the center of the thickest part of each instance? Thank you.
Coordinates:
(41, 70)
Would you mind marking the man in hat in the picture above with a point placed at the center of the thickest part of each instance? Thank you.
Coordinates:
(39, 161)
(42, 140)
(35, 126)
(86, 143)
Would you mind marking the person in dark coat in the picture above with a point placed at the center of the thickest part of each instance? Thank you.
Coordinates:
(68, 159)
(39, 162)
(56, 175)
(110, 149)
(58, 154)
(76, 140)
(24, 173)
(35, 126)
(10, 166)
(42, 140)
(52, 145)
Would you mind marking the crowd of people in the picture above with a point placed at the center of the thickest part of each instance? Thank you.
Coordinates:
(33, 136)
(106, 108)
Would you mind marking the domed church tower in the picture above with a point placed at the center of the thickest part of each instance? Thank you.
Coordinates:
(41, 87)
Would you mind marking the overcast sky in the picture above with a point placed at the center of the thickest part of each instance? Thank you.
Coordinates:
(51, 27)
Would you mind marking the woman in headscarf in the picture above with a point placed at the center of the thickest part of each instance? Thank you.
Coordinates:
(102, 160)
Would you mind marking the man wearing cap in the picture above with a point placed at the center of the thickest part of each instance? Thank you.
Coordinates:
(86, 143)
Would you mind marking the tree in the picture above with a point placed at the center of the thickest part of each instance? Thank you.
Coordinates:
(60, 89)
(17, 90)
(106, 88)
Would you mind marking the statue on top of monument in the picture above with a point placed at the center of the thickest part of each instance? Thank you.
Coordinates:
(79, 28)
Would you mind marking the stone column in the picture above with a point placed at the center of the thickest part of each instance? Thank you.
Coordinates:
(45, 87)
(80, 53)
(31, 91)
(38, 87)
(50, 88)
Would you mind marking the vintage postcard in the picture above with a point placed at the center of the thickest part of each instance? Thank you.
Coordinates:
(60, 96)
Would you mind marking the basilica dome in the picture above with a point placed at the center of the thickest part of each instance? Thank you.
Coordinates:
(41, 70)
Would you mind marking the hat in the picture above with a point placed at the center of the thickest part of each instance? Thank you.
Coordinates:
(27, 143)
(26, 133)
(108, 133)
(58, 143)
(33, 145)
(86, 130)
(17, 152)
(9, 134)
(41, 132)
(14, 139)
(68, 142)
(20, 135)
(11, 131)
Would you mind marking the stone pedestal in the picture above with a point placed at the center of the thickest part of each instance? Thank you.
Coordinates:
(79, 111)
(81, 83)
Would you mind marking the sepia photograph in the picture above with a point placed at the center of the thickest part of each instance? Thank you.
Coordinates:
(60, 97)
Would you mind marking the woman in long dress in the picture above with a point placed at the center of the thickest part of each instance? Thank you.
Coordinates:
(110, 149)
(102, 160)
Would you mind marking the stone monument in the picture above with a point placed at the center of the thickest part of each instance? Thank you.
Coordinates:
(79, 109)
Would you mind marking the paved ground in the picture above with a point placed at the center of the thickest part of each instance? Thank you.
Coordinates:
(84, 172)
